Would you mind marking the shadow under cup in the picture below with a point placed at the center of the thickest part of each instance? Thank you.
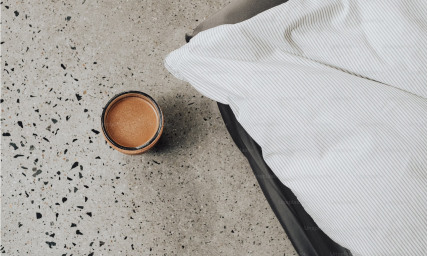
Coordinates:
(132, 122)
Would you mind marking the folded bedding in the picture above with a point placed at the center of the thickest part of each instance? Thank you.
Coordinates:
(334, 92)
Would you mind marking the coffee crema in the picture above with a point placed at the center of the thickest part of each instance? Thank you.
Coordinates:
(132, 122)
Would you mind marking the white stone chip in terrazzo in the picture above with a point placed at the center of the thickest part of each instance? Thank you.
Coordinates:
(65, 191)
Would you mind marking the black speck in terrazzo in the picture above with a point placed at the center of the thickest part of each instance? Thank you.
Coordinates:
(32, 148)
(86, 199)
(13, 145)
(97, 157)
(78, 97)
(64, 199)
(16, 156)
(62, 65)
(38, 215)
(6, 134)
(49, 128)
(91, 254)
(89, 214)
(68, 178)
(51, 244)
(74, 165)
(20, 124)
(95, 131)
(67, 118)
(85, 110)
(155, 162)
(78, 232)
(45, 139)
(102, 243)
(37, 173)
(19, 224)
(16, 13)
(75, 189)
(80, 175)
(73, 225)
(68, 18)
(54, 121)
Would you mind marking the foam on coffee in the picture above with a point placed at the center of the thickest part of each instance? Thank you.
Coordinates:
(132, 121)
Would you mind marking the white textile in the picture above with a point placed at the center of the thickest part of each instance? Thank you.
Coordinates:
(334, 92)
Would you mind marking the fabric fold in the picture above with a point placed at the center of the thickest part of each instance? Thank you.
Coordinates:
(334, 93)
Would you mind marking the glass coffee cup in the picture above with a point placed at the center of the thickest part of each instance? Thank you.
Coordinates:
(132, 122)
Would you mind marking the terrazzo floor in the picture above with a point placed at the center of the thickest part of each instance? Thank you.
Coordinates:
(65, 192)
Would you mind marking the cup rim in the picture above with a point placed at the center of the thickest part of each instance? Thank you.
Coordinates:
(145, 144)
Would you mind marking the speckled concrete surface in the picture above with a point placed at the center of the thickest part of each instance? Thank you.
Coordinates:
(65, 192)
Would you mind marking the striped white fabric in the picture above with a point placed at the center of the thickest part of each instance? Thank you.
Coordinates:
(334, 91)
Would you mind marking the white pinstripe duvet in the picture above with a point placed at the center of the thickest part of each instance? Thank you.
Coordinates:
(335, 94)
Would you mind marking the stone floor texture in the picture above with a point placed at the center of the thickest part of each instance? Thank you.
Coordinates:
(65, 191)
